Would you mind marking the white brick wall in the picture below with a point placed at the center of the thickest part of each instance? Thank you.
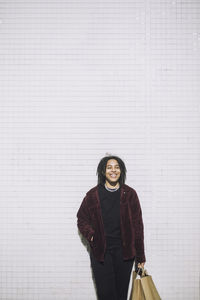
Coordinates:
(79, 79)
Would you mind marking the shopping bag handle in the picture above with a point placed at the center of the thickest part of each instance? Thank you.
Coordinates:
(142, 272)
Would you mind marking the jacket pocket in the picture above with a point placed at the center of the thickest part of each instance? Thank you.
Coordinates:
(93, 242)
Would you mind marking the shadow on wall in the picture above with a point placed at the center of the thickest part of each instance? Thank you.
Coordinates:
(87, 246)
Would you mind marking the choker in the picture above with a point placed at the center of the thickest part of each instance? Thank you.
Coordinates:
(111, 190)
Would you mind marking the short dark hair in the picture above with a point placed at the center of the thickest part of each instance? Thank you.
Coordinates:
(101, 169)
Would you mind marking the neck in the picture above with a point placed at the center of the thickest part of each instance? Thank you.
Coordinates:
(112, 185)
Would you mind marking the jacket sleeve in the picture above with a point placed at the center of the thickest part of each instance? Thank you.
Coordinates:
(83, 222)
(139, 231)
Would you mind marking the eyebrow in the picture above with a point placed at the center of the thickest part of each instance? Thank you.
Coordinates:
(114, 165)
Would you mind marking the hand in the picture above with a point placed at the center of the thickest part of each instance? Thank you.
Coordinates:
(141, 265)
(91, 239)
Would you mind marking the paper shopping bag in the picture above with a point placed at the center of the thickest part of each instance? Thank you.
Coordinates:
(143, 288)
(149, 288)
(136, 291)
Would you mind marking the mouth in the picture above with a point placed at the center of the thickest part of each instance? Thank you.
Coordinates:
(113, 175)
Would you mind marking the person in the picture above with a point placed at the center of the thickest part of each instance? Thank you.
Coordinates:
(110, 218)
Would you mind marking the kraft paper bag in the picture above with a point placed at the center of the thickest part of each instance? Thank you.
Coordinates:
(143, 288)
(149, 288)
(137, 291)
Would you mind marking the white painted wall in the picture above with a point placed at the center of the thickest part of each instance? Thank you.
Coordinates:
(79, 79)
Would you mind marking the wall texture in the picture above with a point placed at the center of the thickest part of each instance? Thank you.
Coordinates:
(79, 79)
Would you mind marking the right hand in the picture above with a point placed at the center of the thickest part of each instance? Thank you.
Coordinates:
(91, 239)
(141, 265)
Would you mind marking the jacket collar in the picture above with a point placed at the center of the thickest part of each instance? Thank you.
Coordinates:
(124, 188)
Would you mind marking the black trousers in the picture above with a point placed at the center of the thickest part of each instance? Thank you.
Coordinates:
(113, 275)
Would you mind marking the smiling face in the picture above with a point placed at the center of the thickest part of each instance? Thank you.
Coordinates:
(112, 173)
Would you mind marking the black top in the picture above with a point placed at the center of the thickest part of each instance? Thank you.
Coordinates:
(110, 208)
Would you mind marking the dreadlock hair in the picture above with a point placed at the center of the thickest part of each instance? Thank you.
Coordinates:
(101, 169)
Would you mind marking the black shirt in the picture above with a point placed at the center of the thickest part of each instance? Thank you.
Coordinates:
(110, 208)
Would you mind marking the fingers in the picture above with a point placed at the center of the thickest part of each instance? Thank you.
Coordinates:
(141, 265)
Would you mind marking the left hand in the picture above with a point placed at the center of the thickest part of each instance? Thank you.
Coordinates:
(141, 265)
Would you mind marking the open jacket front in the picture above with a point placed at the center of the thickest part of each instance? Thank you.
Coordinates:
(90, 223)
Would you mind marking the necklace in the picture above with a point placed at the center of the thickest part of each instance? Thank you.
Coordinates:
(111, 190)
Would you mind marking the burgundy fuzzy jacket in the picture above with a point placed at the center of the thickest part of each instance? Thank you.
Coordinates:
(90, 223)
